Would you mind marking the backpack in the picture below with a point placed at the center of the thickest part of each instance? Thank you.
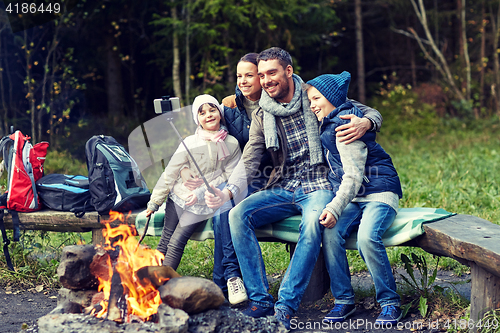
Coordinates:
(115, 181)
(24, 165)
(65, 193)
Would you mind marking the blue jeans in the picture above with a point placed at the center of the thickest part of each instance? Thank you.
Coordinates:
(225, 261)
(373, 219)
(271, 206)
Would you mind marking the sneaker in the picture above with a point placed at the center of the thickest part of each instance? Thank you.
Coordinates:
(256, 311)
(339, 313)
(390, 315)
(236, 291)
(284, 317)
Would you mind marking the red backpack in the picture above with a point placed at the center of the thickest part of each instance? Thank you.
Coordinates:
(24, 165)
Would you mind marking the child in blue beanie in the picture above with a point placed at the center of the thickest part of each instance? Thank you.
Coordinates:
(367, 192)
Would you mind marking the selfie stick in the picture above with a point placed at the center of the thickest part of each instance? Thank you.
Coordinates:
(209, 188)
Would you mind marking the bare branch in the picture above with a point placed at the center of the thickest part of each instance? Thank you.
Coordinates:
(407, 34)
(427, 55)
(442, 66)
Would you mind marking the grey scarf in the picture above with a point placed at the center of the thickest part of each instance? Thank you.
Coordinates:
(299, 102)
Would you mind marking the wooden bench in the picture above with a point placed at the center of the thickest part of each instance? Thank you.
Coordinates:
(468, 239)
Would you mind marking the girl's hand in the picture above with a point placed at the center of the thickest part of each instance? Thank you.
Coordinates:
(217, 200)
(327, 219)
(192, 199)
(149, 212)
(190, 180)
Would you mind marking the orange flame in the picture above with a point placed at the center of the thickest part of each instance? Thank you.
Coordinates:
(141, 301)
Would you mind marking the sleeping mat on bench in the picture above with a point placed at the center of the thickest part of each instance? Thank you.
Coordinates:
(407, 225)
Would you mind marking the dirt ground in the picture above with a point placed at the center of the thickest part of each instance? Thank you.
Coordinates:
(21, 307)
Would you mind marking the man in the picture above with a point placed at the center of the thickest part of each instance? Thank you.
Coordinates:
(286, 127)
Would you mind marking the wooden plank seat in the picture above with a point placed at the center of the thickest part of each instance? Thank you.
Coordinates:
(468, 239)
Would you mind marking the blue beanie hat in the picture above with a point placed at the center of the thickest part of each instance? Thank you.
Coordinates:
(333, 86)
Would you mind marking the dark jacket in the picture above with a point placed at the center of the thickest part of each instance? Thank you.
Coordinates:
(238, 125)
(380, 174)
(255, 150)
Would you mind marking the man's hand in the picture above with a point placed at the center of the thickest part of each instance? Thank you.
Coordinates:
(190, 180)
(327, 219)
(149, 212)
(192, 199)
(354, 130)
(217, 200)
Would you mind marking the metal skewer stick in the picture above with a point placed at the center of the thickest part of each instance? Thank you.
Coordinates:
(209, 188)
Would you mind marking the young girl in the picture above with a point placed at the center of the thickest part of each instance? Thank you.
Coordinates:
(367, 191)
(216, 153)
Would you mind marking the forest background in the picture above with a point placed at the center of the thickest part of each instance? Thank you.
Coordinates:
(430, 67)
(97, 67)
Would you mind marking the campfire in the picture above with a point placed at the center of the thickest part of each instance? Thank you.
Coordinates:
(125, 294)
(130, 280)
(122, 287)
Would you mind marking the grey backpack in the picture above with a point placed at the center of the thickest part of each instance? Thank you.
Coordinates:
(115, 182)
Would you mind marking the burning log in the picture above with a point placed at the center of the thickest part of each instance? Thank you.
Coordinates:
(156, 275)
(117, 304)
(123, 293)
(100, 266)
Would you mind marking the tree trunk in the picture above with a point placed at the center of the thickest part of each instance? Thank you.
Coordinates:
(483, 55)
(13, 109)
(4, 125)
(188, 55)
(496, 66)
(176, 75)
(31, 89)
(461, 41)
(360, 51)
(230, 68)
(413, 62)
(465, 52)
(54, 142)
(46, 77)
(114, 82)
(440, 63)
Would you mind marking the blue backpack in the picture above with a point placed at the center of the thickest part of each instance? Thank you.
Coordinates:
(115, 182)
(65, 193)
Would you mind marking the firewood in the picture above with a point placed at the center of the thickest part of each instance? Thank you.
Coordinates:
(117, 304)
(156, 275)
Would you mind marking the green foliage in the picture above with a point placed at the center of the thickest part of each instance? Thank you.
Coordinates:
(442, 162)
(36, 258)
(63, 162)
(490, 322)
(197, 259)
(405, 116)
(423, 285)
(422, 306)
(222, 31)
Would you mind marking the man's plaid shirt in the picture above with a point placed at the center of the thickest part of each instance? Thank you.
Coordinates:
(298, 170)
